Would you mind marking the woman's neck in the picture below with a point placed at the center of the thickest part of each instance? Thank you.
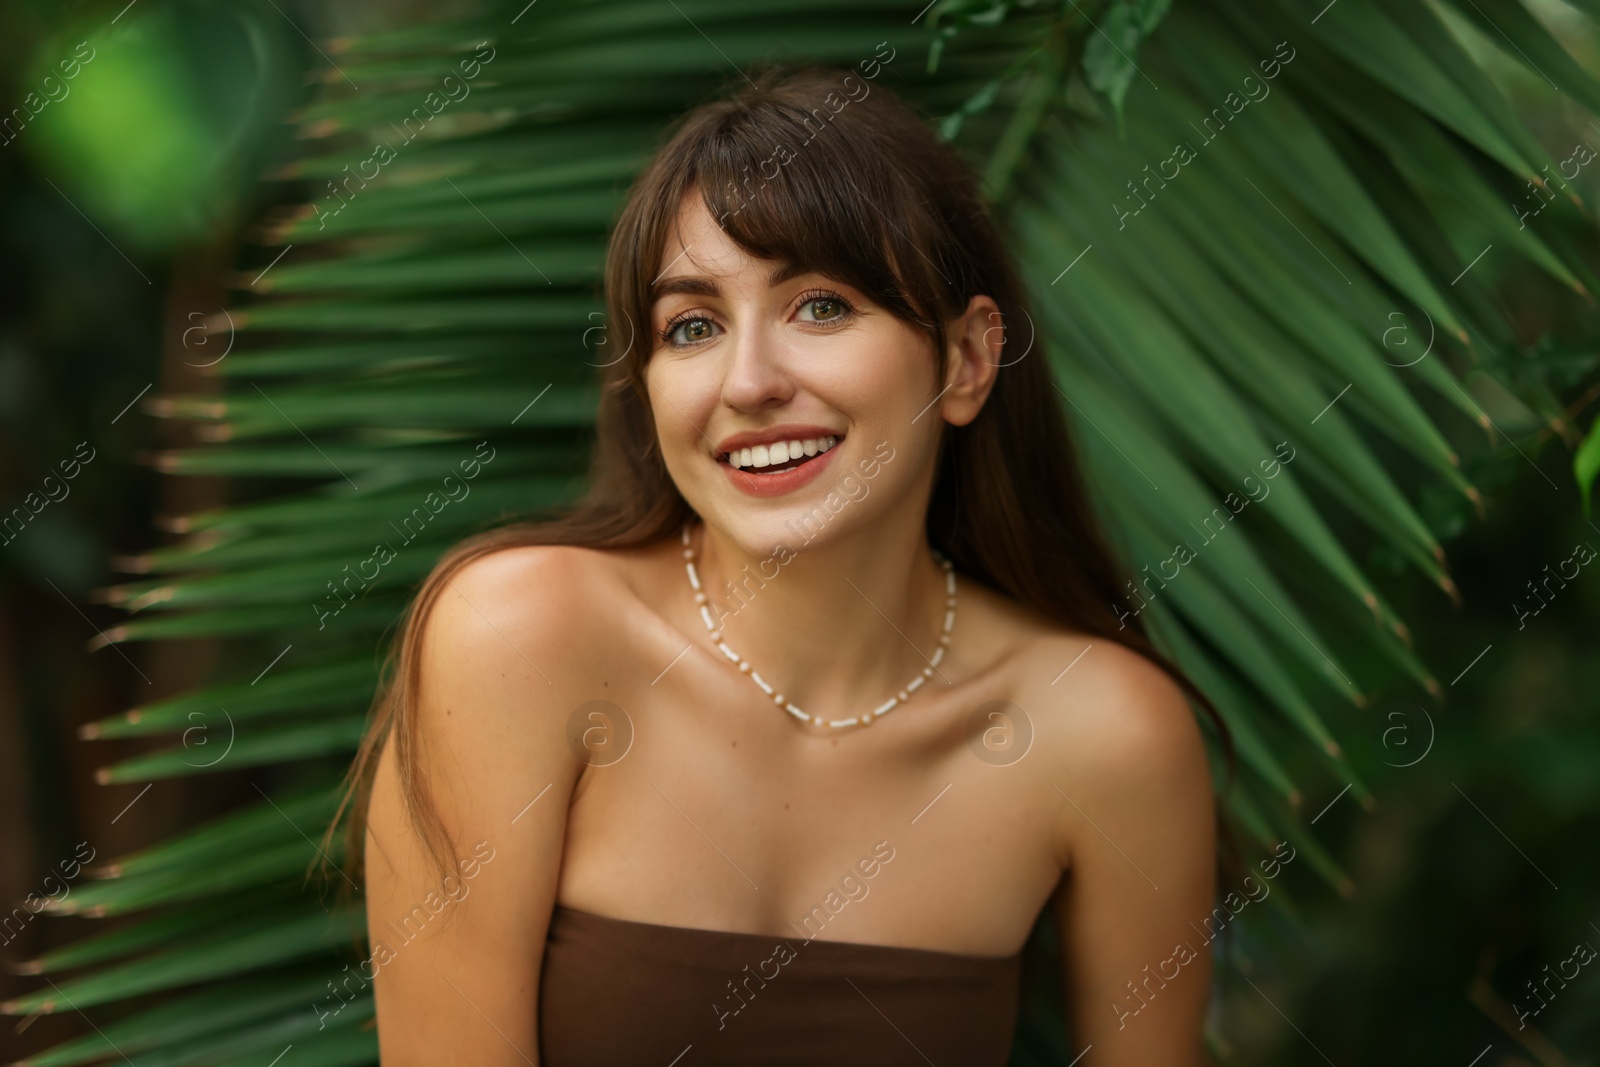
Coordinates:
(836, 626)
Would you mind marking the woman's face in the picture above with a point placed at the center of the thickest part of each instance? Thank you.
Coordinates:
(746, 357)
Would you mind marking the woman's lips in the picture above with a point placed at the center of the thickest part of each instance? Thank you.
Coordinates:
(778, 482)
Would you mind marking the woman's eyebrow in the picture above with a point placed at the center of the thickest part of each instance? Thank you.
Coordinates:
(698, 286)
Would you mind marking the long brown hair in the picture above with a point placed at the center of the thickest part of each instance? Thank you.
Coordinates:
(819, 168)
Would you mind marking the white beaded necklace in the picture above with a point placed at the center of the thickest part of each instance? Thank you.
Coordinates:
(864, 718)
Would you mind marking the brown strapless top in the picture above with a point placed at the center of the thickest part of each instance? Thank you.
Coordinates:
(617, 993)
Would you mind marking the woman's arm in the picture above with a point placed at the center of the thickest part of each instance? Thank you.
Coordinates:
(1139, 841)
(501, 653)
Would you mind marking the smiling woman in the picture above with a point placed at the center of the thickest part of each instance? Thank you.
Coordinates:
(853, 309)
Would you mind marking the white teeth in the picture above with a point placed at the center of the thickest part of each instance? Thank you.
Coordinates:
(780, 451)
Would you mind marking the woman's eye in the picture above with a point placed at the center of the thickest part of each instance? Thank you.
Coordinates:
(823, 309)
(689, 331)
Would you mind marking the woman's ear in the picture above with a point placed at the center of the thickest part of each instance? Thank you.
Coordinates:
(976, 339)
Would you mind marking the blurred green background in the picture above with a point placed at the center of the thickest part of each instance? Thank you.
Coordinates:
(127, 206)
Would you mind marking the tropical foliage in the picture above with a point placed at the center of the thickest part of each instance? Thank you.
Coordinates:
(1255, 237)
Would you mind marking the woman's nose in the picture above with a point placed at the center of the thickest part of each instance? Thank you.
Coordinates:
(755, 375)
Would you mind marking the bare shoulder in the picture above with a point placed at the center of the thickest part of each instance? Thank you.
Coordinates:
(1083, 688)
(1099, 703)
(1114, 730)
(1106, 688)
(534, 609)
(1107, 700)
(513, 642)
(525, 581)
